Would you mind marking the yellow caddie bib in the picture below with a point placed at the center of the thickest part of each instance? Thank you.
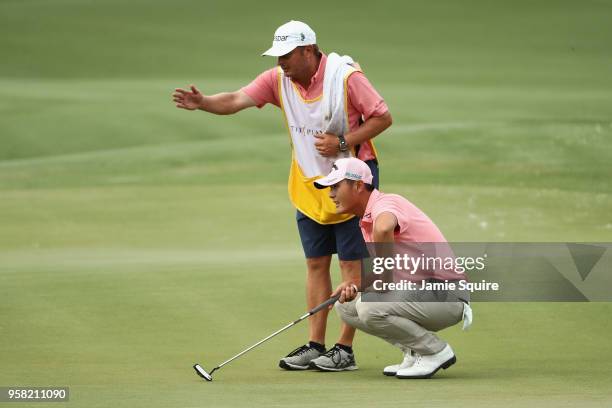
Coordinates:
(304, 119)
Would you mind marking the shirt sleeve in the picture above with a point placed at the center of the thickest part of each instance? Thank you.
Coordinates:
(264, 88)
(386, 204)
(364, 98)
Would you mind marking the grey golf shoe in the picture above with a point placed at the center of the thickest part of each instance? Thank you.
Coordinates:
(334, 359)
(300, 358)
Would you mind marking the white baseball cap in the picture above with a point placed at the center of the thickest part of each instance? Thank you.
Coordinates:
(346, 169)
(290, 35)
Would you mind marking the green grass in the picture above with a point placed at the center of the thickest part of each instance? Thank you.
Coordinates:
(137, 239)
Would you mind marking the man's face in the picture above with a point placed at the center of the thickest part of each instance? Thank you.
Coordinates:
(345, 195)
(294, 63)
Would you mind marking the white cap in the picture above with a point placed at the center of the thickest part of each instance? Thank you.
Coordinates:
(349, 169)
(290, 35)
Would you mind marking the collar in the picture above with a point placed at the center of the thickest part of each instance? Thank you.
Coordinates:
(367, 215)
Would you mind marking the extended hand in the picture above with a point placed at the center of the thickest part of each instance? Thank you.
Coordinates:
(327, 144)
(190, 100)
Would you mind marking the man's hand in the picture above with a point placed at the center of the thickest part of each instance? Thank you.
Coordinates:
(327, 144)
(190, 100)
(347, 291)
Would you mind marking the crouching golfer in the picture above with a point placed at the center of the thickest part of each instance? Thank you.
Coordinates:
(407, 324)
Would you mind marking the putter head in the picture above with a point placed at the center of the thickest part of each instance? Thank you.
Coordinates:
(202, 373)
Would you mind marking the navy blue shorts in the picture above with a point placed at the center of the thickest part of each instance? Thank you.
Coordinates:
(344, 239)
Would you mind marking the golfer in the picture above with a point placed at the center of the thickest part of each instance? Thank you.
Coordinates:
(408, 324)
(330, 110)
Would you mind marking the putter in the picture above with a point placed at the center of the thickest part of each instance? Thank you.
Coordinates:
(208, 375)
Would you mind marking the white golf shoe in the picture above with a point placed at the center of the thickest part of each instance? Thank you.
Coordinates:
(408, 361)
(426, 366)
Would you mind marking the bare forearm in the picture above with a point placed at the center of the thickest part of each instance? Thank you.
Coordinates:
(382, 249)
(220, 104)
(383, 238)
(369, 129)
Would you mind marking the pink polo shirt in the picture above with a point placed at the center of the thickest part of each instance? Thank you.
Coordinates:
(364, 101)
(414, 226)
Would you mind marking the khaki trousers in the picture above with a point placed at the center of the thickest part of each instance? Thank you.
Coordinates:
(404, 324)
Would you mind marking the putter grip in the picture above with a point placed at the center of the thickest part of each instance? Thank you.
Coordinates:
(325, 304)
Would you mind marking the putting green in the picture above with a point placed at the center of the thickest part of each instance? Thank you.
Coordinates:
(137, 239)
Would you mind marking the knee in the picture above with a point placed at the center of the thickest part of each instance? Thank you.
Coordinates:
(351, 270)
(318, 266)
(345, 310)
(370, 315)
(350, 267)
(348, 314)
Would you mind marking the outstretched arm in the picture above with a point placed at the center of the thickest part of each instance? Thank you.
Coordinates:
(224, 103)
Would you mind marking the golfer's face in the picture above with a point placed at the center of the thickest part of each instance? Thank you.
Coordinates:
(343, 195)
(292, 63)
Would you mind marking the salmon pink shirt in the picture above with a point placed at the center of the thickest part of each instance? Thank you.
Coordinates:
(363, 100)
(413, 226)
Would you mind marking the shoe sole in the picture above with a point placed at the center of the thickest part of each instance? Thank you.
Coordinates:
(390, 373)
(444, 365)
(291, 367)
(321, 368)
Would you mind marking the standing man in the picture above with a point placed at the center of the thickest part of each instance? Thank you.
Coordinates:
(411, 322)
(296, 86)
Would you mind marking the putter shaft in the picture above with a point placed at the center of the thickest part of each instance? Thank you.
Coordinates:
(316, 309)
